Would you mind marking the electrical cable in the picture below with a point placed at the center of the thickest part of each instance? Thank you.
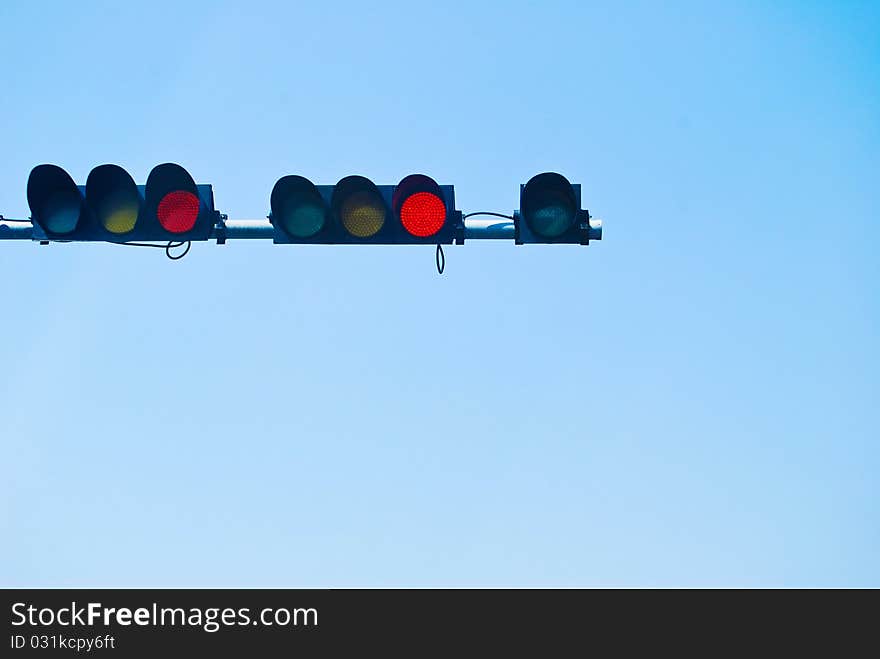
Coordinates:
(506, 217)
(167, 247)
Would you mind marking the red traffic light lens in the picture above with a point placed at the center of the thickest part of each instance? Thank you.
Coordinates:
(178, 211)
(423, 214)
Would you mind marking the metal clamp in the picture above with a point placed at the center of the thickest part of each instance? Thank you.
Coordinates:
(220, 228)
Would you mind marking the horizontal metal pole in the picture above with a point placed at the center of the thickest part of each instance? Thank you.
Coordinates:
(16, 230)
(474, 229)
(488, 229)
(245, 230)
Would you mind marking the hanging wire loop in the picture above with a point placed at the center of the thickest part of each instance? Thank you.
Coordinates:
(440, 257)
(186, 244)
(174, 245)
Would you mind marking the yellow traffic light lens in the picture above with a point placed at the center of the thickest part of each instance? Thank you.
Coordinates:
(121, 220)
(118, 211)
(363, 214)
(113, 198)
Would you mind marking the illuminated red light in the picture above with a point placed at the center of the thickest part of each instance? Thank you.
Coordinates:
(423, 214)
(178, 211)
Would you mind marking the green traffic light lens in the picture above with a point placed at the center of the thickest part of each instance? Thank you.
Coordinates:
(549, 205)
(302, 218)
(297, 207)
(551, 216)
(60, 211)
(54, 199)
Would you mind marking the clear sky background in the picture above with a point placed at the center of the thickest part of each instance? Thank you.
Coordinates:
(692, 401)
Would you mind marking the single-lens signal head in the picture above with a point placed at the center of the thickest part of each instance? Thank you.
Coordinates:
(549, 205)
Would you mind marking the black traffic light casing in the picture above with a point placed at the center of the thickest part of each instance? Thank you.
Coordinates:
(355, 211)
(550, 212)
(110, 207)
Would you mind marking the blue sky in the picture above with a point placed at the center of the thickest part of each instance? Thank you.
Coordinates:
(692, 401)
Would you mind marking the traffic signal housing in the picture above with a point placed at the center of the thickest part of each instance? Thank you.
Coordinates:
(357, 211)
(550, 212)
(110, 207)
(171, 208)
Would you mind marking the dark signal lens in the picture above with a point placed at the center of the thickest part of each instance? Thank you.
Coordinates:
(423, 214)
(297, 207)
(552, 216)
(60, 211)
(303, 219)
(178, 211)
(549, 205)
(54, 199)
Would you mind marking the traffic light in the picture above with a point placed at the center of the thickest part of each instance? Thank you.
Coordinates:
(357, 211)
(172, 209)
(550, 212)
(111, 207)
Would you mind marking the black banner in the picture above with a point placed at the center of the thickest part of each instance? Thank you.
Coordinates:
(154, 623)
